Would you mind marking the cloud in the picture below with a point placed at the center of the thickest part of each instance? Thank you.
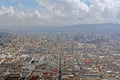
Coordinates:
(6, 11)
(63, 7)
(105, 10)
(62, 12)
(9, 16)
(96, 11)
(38, 13)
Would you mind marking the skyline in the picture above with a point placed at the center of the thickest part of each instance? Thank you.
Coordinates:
(58, 12)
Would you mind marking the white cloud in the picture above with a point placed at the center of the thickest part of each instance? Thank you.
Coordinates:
(38, 13)
(98, 11)
(6, 11)
(9, 16)
(105, 10)
(64, 12)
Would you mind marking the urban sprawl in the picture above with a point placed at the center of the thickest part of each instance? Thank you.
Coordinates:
(59, 56)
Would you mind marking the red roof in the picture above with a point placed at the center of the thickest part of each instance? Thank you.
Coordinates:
(17, 67)
(86, 60)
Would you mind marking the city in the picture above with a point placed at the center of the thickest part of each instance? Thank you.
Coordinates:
(59, 39)
(84, 56)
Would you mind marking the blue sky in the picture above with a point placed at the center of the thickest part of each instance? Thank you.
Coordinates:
(17, 4)
(58, 12)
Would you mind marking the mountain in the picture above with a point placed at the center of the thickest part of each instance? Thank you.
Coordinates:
(80, 27)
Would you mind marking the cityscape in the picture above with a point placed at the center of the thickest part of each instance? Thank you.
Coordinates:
(59, 39)
(76, 55)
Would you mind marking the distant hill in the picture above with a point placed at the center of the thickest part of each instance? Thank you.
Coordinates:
(80, 27)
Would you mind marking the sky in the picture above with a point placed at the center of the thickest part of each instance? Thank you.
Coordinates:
(58, 12)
